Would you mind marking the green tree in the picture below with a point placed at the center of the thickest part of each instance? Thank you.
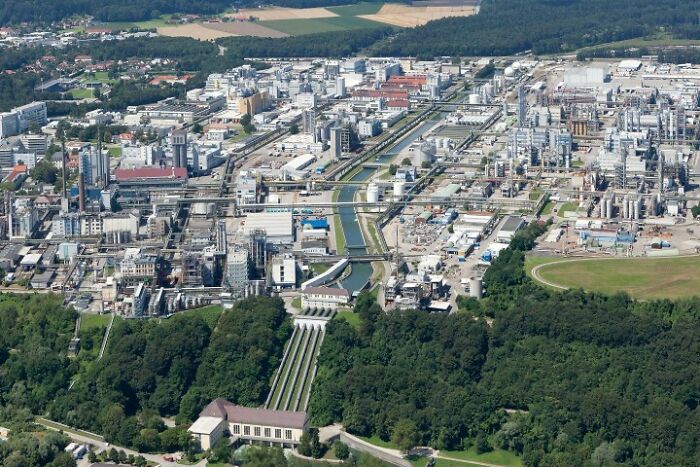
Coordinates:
(392, 169)
(341, 450)
(406, 161)
(221, 451)
(405, 434)
(45, 172)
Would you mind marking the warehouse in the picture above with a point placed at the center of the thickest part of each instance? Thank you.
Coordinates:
(510, 226)
(277, 225)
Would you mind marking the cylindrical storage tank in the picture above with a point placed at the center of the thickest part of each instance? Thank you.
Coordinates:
(474, 99)
(652, 206)
(399, 189)
(488, 89)
(475, 288)
(372, 193)
(426, 151)
(626, 207)
(637, 208)
(631, 208)
(609, 209)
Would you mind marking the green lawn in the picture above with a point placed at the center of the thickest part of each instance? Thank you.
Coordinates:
(532, 261)
(319, 268)
(296, 303)
(353, 319)
(89, 320)
(210, 313)
(81, 93)
(643, 278)
(97, 76)
(377, 441)
(115, 152)
(357, 9)
(547, 208)
(340, 246)
(573, 207)
(373, 235)
(298, 27)
(497, 456)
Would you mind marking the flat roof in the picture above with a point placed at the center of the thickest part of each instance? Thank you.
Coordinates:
(273, 223)
(31, 259)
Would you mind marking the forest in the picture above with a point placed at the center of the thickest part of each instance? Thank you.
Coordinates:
(560, 378)
(47, 11)
(505, 27)
(332, 44)
(177, 366)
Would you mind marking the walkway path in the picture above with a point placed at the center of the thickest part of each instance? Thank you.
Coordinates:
(98, 441)
(106, 338)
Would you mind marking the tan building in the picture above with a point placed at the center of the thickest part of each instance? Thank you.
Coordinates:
(246, 424)
(253, 104)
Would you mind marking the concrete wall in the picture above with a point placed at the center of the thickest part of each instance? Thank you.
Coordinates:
(367, 448)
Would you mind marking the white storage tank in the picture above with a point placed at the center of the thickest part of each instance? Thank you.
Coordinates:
(475, 288)
(426, 152)
(474, 99)
(399, 189)
(372, 193)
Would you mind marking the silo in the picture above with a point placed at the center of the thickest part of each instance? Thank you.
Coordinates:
(399, 188)
(626, 207)
(609, 209)
(474, 99)
(637, 208)
(475, 288)
(426, 151)
(372, 193)
(630, 208)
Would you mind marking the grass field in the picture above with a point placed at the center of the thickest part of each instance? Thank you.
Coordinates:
(150, 24)
(340, 247)
(643, 278)
(547, 208)
(99, 76)
(572, 207)
(351, 318)
(210, 314)
(89, 320)
(497, 456)
(357, 9)
(82, 93)
(298, 27)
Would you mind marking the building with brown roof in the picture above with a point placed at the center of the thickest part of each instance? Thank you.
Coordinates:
(326, 298)
(247, 424)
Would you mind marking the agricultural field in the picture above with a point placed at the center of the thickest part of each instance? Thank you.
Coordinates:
(298, 27)
(407, 16)
(281, 22)
(642, 278)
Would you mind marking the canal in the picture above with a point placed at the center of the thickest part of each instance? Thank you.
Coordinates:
(361, 273)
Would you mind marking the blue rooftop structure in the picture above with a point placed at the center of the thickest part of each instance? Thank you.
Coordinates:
(316, 223)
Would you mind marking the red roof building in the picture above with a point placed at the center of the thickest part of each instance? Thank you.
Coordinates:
(152, 173)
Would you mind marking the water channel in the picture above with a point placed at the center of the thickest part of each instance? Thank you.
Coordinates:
(362, 272)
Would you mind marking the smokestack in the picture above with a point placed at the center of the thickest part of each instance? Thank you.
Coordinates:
(63, 166)
(81, 192)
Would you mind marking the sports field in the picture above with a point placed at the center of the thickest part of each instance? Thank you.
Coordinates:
(643, 278)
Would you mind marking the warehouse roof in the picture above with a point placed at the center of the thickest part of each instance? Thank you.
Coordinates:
(275, 224)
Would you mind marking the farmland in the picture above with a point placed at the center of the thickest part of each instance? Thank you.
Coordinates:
(298, 27)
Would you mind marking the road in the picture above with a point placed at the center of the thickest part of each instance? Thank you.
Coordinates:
(97, 441)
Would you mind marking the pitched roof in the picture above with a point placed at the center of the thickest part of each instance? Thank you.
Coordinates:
(238, 414)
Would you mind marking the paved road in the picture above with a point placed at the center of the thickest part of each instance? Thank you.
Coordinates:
(97, 441)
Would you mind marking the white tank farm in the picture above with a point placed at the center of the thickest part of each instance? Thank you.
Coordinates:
(372, 193)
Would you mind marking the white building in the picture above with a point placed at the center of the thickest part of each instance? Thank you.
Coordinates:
(247, 424)
(284, 271)
(327, 298)
(277, 225)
